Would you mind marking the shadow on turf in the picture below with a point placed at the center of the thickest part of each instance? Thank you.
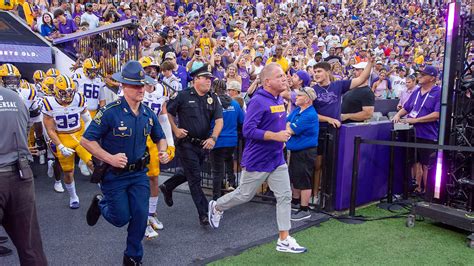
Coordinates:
(316, 220)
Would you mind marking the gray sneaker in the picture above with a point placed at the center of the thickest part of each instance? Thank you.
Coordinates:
(300, 215)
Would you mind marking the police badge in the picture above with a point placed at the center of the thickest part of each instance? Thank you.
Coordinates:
(210, 100)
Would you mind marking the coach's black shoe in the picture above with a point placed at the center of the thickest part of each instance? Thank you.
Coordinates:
(3, 239)
(127, 261)
(204, 220)
(93, 213)
(168, 195)
(5, 251)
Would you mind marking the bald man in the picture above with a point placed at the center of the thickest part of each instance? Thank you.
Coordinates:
(265, 133)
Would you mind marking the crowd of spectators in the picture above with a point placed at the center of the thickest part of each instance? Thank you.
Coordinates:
(238, 39)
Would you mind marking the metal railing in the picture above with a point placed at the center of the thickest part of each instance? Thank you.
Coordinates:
(110, 45)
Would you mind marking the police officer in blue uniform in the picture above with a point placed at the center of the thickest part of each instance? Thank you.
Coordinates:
(121, 128)
(196, 109)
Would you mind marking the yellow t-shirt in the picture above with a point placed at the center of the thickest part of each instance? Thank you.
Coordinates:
(419, 60)
(28, 10)
(282, 62)
(205, 41)
(12, 4)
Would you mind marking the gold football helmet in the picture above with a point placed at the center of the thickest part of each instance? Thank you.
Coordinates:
(39, 76)
(64, 89)
(91, 68)
(10, 76)
(47, 86)
(53, 72)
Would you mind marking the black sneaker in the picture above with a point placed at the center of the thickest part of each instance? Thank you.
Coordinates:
(167, 195)
(5, 251)
(203, 220)
(3, 239)
(93, 213)
(127, 261)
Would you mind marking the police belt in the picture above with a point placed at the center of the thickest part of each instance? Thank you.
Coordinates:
(134, 167)
(195, 141)
(9, 168)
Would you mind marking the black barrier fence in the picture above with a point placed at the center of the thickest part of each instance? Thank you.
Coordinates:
(392, 144)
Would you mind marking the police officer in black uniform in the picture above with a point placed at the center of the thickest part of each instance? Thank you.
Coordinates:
(122, 128)
(196, 109)
(17, 193)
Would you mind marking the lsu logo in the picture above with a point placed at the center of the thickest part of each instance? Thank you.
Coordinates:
(277, 108)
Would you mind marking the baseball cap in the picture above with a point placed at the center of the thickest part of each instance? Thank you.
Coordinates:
(234, 85)
(321, 44)
(379, 62)
(126, 7)
(307, 91)
(170, 55)
(222, 38)
(304, 76)
(430, 71)
(360, 65)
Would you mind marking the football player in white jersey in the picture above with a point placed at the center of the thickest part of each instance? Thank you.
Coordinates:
(156, 97)
(91, 85)
(54, 169)
(62, 115)
(38, 78)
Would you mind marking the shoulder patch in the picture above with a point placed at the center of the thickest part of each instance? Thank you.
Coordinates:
(98, 117)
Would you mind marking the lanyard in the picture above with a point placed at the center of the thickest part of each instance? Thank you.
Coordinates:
(424, 100)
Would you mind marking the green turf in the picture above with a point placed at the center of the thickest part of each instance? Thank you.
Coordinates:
(384, 242)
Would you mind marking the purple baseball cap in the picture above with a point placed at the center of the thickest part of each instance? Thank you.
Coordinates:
(430, 71)
(304, 76)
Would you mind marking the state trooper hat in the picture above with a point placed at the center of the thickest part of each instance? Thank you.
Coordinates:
(204, 71)
(133, 74)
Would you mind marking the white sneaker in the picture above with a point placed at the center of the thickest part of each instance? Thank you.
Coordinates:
(214, 215)
(150, 233)
(58, 187)
(289, 245)
(155, 223)
(50, 168)
(42, 159)
(83, 167)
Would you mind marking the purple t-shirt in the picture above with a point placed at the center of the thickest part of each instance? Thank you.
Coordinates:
(329, 99)
(265, 112)
(183, 76)
(424, 105)
(244, 74)
(68, 27)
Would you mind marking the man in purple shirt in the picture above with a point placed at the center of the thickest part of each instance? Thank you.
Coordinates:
(265, 133)
(422, 110)
(66, 26)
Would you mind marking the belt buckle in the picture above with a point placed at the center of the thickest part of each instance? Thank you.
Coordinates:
(132, 167)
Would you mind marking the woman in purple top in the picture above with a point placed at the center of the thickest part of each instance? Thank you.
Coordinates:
(244, 74)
